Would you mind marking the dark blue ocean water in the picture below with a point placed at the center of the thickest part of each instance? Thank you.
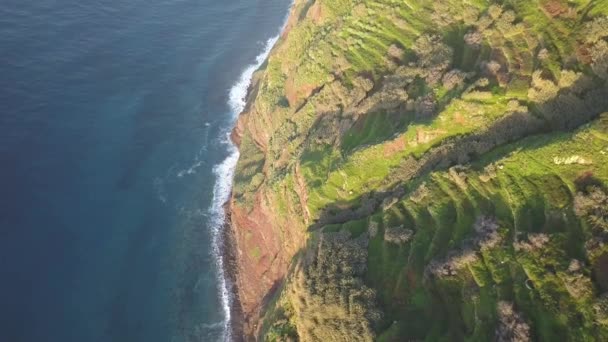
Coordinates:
(113, 118)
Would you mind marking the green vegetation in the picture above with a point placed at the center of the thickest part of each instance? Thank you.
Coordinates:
(449, 163)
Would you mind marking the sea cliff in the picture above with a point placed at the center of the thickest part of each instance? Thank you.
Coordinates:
(414, 170)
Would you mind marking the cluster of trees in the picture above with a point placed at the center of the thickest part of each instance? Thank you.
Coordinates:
(572, 101)
(601, 309)
(372, 229)
(460, 150)
(511, 325)
(434, 57)
(474, 39)
(486, 232)
(282, 330)
(592, 204)
(577, 282)
(459, 175)
(451, 264)
(398, 235)
(425, 106)
(594, 36)
(388, 98)
(420, 193)
(454, 79)
(330, 301)
(535, 242)
(490, 172)
(542, 90)
(449, 12)
(486, 236)
(496, 18)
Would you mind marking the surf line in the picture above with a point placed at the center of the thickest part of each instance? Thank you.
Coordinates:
(224, 174)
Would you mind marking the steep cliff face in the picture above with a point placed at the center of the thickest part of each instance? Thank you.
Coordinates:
(265, 237)
(411, 170)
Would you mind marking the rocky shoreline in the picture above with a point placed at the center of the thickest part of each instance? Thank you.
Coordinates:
(248, 301)
(230, 250)
(229, 255)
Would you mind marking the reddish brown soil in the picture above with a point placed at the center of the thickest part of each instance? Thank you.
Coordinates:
(583, 54)
(264, 248)
(316, 13)
(395, 146)
(555, 8)
(295, 94)
(459, 118)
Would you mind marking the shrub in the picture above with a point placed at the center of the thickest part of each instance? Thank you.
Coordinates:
(601, 309)
(452, 79)
(486, 229)
(593, 205)
(543, 90)
(398, 235)
(534, 243)
(596, 30)
(599, 57)
(473, 39)
(426, 106)
(395, 52)
(511, 325)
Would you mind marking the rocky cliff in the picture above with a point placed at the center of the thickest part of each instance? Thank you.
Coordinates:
(416, 169)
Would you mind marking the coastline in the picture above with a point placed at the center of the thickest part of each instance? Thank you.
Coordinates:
(229, 256)
(241, 98)
(229, 247)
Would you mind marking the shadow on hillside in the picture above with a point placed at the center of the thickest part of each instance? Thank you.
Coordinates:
(568, 110)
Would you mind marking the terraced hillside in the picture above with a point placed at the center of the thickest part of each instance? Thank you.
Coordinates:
(417, 170)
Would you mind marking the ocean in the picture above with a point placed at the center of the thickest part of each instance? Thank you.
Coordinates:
(115, 162)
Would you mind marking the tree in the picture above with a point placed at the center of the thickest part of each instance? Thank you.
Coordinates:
(395, 52)
(542, 90)
(426, 106)
(599, 58)
(601, 309)
(511, 325)
(397, 235)
(434, 57)
(453, 79)
(543, 54)
(492, 67)
(596, 30)
(495, 11)
(593, 205)
(473, 39)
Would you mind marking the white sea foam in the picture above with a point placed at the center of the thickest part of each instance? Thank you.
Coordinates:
(224, 173)
(238, 93)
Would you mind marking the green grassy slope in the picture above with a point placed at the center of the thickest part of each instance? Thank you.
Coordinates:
(458, 148)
